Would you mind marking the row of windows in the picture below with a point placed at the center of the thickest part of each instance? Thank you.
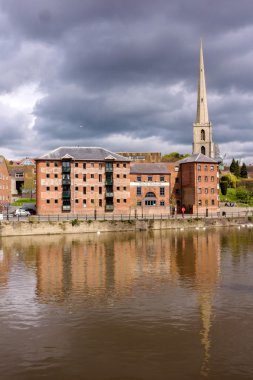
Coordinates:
(4, 187)
(92, 176)
(84, 201)
(205, 178)
(150, 178)
(205, 190)
(139, 192)
(79, 164)
(150, 203)
(205, 167)
(78, 188)
(200, 203)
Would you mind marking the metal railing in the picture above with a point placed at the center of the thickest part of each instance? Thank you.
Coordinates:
(129, 217)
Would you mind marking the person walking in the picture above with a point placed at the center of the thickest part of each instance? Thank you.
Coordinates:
(183, 211)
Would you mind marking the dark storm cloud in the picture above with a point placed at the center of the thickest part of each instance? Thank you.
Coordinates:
(129, 69)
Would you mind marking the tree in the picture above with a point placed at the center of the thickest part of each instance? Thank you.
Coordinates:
(173, 157)
(243, 171)
(223, 187)
(237, 169)
(242, 194)
(232, 166)
(230, 179)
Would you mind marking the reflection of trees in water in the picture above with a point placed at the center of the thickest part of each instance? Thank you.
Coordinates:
(236, 242)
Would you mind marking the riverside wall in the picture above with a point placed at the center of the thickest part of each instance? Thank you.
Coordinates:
(25, 228)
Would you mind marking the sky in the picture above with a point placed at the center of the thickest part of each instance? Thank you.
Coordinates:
(123, 75)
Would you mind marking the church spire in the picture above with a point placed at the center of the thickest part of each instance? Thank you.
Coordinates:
(202, 110)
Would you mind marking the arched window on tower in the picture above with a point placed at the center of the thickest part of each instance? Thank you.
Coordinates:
(203, 150)
(203, 135)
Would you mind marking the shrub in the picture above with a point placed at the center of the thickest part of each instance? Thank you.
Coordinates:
(223, 187)
(75, 222)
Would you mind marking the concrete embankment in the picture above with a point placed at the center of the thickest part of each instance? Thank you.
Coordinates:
(79, 227)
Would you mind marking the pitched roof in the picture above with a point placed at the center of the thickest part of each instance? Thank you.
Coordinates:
(198, 157)
(82, 153)
(149, 168)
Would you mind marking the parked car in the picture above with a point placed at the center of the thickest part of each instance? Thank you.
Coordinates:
(21, 212)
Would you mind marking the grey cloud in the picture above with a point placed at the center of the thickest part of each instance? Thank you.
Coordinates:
(129, 68)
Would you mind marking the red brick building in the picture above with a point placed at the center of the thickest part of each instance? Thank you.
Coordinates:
(150, 188)
(5, 184)
(199, 178)
(81, 180)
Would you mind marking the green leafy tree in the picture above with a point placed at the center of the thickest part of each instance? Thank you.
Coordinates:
(223, 187)
(231, 180)
(243, 171)
(242, 194)
(173, 157)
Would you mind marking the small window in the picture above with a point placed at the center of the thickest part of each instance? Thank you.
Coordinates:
(118, 200)
(118, 188)
(92, 188)
(76, 164)
(206, 202)
(100, 203)
(92, 201)
(56, 201)
(138, 178)
(117, 175)
(76, 175)
(150, 178)
(48, 188)
(199, 168)
(92, 164)
(206, 191)
(199, 178)
(84, 202)
(200, 202)
(92, 176)
(100, 177)
(212, 190)
(138, 203)
(162, 203)
(199, 190)
(212, 202)
(124, 188)
(212, 179)
(84, 165)
(100, 165)
(162, 179)
(56, 164)
(177, 180)
(76, 200)
(206, 178)
(84, 177)
(124, 175)
(48, 200)
(212, 168)
(162, 191)
(205, 168)
(117, 165)
(124, 165)
(124, 200)
(100, 190)
(84, 190)
(48, 175)
(138, 190)
(47, 164)
(56, 176)
(76, 188)
(56, 188)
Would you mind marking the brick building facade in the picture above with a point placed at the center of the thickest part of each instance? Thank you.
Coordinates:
(82, 180)
(5, 184)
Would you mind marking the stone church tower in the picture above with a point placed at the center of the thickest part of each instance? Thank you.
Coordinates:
(202, 128)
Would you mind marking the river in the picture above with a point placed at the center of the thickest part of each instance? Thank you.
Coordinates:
(127, 306)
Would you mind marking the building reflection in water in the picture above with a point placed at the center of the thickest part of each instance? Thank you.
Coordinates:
(115, 265)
